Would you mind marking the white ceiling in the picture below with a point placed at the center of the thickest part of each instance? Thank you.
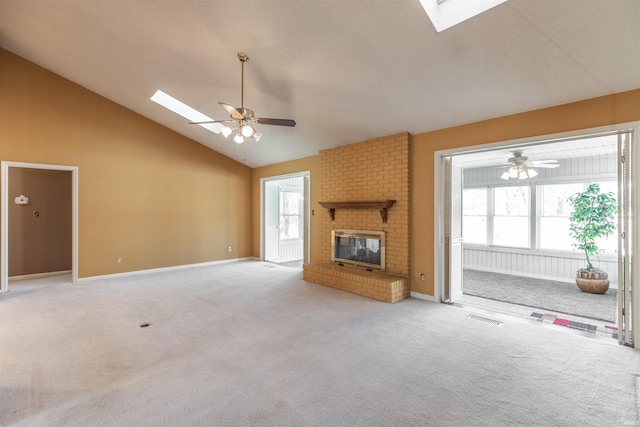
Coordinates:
(346, 70)
(571, 148)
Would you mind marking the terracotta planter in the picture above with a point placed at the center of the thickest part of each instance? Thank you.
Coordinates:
(594, 281)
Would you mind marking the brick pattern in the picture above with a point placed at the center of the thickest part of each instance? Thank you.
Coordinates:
(377, 169)
(379, 286)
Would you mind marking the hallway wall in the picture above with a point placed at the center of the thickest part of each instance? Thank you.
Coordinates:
(40, 231)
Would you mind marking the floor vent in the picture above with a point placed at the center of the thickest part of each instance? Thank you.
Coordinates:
(484, 319)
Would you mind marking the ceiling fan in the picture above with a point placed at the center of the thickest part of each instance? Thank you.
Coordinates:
(244, 118)
(521, 167)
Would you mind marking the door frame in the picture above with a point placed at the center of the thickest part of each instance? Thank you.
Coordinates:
(439, 194)
(307, 211)
(4, 214)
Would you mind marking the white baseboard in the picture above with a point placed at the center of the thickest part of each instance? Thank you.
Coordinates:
(425, 297)
(39, 275)
(164, 269)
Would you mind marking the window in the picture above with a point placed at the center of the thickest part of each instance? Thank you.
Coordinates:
(610, 244)
(447, 13)
(496, 216)
(554, 210)
(500, 216)
(474, 220)
(553, 215)
(291, 208)
(511, 216)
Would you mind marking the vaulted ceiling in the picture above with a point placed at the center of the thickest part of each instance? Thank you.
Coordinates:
(346, 71)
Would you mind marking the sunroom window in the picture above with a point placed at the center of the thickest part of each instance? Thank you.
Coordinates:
(511, 216)
(475, 215)
(554, 210)
(502, 216)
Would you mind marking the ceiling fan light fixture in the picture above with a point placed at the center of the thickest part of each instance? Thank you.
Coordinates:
(521, 168)
(246, 130)
(226, 131)
(242, 118)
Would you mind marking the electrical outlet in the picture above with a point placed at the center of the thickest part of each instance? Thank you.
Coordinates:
(230, 249)
(423, 277)
(119, 260)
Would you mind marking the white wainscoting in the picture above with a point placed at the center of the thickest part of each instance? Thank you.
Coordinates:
(545, 265)
(291, 250)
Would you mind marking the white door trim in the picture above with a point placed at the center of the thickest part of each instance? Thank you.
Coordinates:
(307, 201)
(4, 213)
(438, 194)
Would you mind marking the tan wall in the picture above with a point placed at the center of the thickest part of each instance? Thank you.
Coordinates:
(146, 193)
(295, 166)
(608, 110)
(40, 231)
(158, 199)
(368, 171)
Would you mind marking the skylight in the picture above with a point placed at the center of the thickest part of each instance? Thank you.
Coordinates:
(447, 13)
(178, 107)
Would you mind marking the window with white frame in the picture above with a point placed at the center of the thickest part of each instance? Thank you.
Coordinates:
(554, 210)
(511, 216)
(553, 215)
(291, 210)
(500, 216)
(474, 220)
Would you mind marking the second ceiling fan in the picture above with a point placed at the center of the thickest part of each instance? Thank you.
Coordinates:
(244, 118)
(521, 167)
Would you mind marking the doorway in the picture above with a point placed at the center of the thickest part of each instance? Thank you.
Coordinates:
(285, 219)
(524, 241)
(23, 201)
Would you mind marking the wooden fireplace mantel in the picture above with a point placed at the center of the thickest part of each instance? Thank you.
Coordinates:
(381, 205)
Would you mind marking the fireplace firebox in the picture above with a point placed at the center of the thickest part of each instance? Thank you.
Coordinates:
(365, 248)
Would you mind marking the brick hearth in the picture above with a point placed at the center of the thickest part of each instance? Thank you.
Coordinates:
(372, 284)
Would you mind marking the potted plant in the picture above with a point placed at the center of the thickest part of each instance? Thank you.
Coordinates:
(592, 218)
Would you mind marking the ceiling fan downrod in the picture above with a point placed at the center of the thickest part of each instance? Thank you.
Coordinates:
(243, 57)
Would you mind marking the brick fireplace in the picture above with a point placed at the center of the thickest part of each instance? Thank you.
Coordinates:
(373, 170)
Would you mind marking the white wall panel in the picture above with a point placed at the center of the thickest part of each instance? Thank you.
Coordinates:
(591, 167)
(547, 266)
(291, 250)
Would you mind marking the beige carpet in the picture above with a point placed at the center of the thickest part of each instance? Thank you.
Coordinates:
(247, 344)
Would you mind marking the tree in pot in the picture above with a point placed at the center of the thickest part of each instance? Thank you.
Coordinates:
(593, 218)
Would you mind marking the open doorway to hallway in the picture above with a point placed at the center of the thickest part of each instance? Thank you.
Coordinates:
(517, 253)
(285, 228)
(39, 226)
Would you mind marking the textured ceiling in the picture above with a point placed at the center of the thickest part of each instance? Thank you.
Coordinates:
(346, 71)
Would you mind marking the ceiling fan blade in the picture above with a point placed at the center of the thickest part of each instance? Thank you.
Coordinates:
(278, 122)
(211, 121)
(541, 162)
(231, 110)
(546, 166)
